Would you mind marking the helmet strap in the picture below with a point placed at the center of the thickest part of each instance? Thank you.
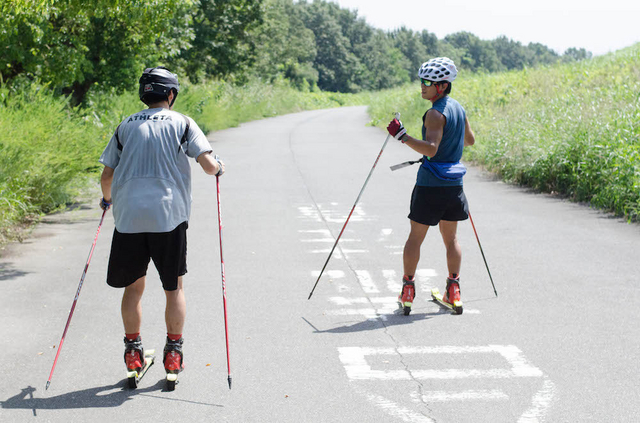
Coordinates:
(433, 99)
(173, 100)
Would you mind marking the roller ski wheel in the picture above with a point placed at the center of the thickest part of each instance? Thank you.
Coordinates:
(134, 376)
(456, 307)
(171, 380)
(173, 362)
(406, 297)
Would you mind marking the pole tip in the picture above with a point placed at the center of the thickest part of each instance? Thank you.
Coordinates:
(48, 383)
(229, 380)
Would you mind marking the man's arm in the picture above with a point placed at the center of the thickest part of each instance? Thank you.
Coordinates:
(210, 165)
(434, 122)
(105, 182)
(469, 137)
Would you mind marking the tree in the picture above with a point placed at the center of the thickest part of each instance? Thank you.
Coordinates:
(72, 45)
(411, 46)
(222, 45)
(338, 68)
(576, 54)
(284, 46)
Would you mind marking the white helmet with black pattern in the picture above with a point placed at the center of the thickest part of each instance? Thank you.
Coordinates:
(440, 69)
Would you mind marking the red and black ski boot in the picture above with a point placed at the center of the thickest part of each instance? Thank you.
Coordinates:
(405, 299)
(136, 360)
(452, 295)
(173, 361)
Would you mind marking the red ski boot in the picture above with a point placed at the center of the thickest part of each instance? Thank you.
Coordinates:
(173, 361)
(405, 299)
(137, 360)
(452, 295)
(134, 354)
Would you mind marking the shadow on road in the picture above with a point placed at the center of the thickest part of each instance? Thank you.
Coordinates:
(395, 319)
(8, 273)
(99, 397)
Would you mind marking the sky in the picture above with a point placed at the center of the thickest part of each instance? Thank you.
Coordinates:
(597, 26)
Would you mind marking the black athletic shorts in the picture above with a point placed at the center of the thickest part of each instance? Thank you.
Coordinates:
(430, 205)
(130, 255)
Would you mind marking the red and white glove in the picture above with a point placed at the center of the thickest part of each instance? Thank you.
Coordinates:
(396, 129)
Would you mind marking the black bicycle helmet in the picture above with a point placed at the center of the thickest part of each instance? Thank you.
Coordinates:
(158, 81)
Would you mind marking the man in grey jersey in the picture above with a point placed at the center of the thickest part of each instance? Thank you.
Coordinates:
(147, 177)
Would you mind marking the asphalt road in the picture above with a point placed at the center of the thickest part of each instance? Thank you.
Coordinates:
(559, 344)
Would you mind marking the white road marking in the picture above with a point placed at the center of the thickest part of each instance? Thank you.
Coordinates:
(423, 275)
(445, 396)
(367, 282)
(315, 231)
(357, 368)
(337, 252)
(369, 313)
(542, 401)
(333, 274)
(362, 300)
(396, 410)
(330, 240)
(393, 284)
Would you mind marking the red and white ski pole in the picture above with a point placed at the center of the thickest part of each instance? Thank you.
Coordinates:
(352, 209)
(75, 300)
(224, 285)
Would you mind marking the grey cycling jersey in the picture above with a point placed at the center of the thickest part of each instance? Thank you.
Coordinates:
(151, 188)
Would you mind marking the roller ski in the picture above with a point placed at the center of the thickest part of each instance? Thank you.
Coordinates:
(406, 297)
(137, 361)
(173, 363)
(451, 298)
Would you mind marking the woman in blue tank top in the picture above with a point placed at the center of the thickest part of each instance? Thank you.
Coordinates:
(438, 197)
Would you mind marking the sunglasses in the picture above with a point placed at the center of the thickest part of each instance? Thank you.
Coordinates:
(427, 83)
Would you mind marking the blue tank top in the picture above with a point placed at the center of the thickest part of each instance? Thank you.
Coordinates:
(450, 148)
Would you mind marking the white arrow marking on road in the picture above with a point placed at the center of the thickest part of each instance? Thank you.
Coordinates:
(397, 411)
(542, 401)
(357, 368)
(445, 396)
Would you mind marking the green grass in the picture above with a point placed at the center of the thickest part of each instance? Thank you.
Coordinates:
(571, 129)
(49, 151)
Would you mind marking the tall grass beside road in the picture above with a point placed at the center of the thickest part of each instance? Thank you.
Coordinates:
(571, 129)
(49, 151)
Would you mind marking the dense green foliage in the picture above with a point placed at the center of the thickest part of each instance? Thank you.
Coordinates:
(572, 129)
(75, 46)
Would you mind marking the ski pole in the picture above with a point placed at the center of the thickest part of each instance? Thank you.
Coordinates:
(352, 209)
(482, 252)
(405, 164)
(224, 287)
(75, 300)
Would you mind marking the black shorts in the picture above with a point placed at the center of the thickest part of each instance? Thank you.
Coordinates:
(430, 205)
(130, 255)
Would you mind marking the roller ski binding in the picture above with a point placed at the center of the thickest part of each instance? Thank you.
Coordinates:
(137, 360)
(406, 297)
(173, 362)
(451, 298)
